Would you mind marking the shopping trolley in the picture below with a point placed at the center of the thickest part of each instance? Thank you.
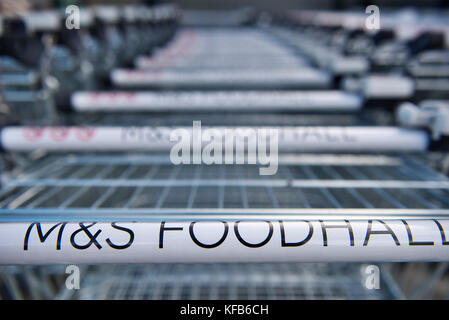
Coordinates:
(393, 197)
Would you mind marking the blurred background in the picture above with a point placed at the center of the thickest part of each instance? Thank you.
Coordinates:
(232, 4)
(283, 63)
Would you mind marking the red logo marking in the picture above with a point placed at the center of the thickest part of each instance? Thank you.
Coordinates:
(32, 133)
(85, 133)
(59, 133)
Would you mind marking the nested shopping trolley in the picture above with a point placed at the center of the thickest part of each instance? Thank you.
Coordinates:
(162, 199)
(351, 190)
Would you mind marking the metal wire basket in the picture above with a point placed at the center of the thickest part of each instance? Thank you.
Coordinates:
(144, 187)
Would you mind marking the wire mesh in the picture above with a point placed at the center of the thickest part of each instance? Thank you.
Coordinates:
(145, 186)
(229, 281)
(267, 281)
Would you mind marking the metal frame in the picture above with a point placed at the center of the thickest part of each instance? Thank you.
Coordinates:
(59, 187)
(149, 187)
